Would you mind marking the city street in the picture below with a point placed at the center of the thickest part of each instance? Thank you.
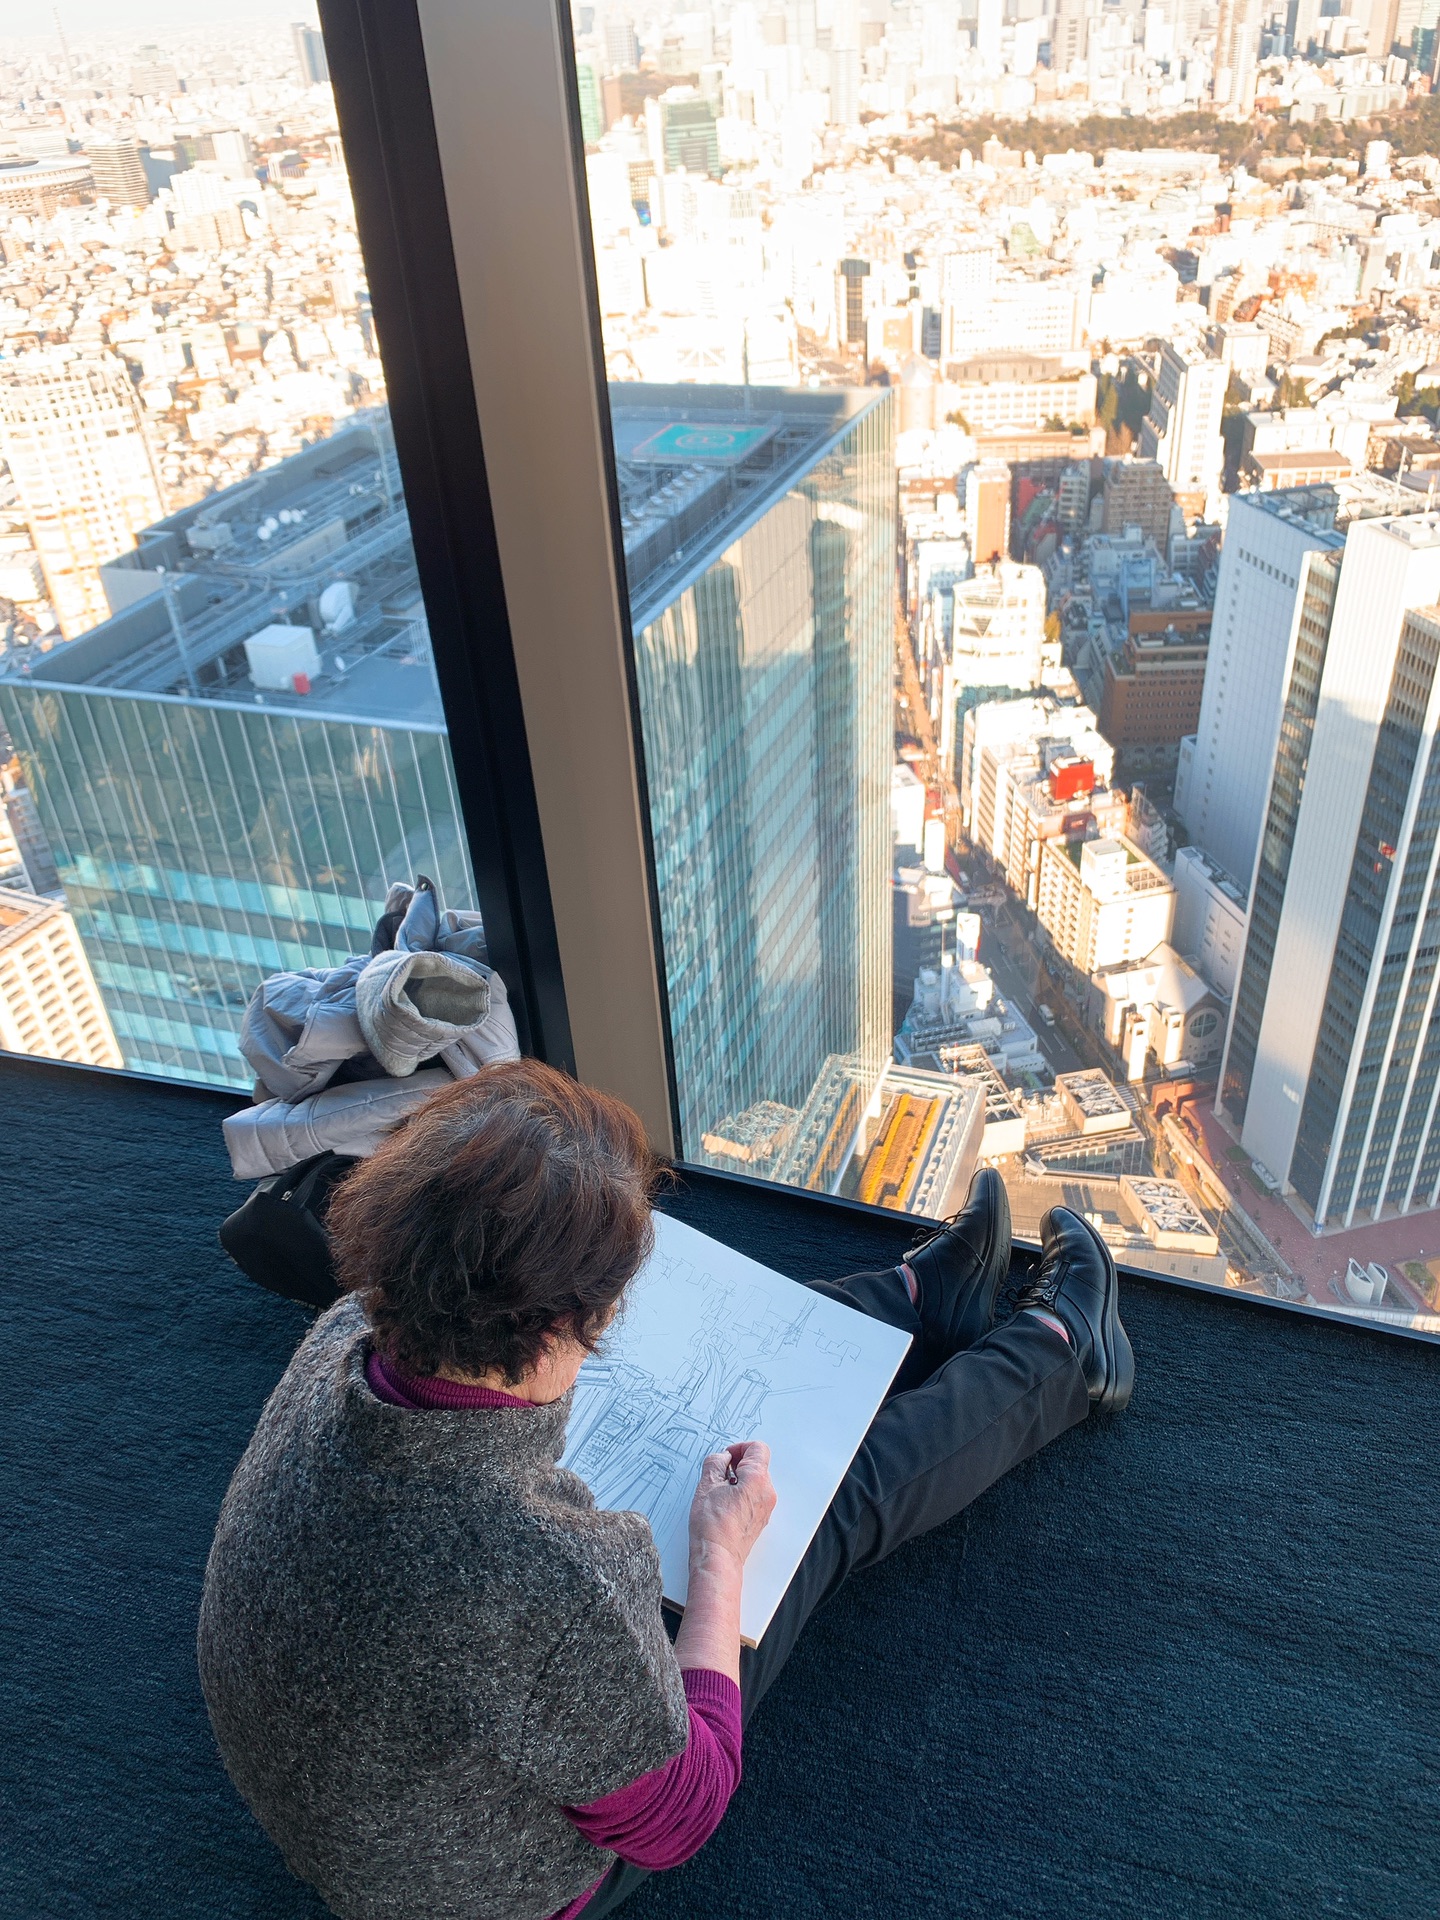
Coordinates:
(1001, 946)
(1320, 1260)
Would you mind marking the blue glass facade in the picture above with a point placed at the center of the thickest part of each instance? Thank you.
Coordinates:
(207, 833)
(201, 847)
(764, 682)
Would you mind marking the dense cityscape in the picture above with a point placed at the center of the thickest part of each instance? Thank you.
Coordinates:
(1026, 430)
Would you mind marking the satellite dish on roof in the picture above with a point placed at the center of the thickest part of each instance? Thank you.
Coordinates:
(337, 606)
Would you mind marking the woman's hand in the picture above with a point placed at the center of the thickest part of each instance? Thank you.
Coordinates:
(734, 1500)
(732, 1503)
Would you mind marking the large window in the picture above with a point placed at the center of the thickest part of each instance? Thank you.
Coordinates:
(1014, 416)
(221, 736)
(947, 676)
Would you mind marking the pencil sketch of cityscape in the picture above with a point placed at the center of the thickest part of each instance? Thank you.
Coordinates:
(637, 1438)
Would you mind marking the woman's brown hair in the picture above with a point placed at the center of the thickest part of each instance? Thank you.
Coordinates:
(509, 1205)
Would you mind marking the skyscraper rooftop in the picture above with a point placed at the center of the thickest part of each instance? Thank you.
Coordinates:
(203, 581)
(319, 541)
(1311, 506)
(697, 465)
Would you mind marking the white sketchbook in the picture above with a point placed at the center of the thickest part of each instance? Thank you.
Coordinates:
(711, 1347)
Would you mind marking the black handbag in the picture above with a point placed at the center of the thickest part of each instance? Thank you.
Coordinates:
(277, 1236)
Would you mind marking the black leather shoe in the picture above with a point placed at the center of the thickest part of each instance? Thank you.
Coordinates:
(1077, 1282)
(961, 1266)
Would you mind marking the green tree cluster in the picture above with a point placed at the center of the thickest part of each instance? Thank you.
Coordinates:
(1416, 402)
(1413, 129)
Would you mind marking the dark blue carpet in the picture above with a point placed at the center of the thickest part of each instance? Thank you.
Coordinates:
(1179, 1666)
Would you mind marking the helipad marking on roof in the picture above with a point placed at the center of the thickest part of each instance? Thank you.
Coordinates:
(686, 440)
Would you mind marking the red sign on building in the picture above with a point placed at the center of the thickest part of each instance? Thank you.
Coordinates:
(1069, 777)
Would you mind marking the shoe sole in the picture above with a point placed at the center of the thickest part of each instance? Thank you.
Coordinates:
(1120, 1374)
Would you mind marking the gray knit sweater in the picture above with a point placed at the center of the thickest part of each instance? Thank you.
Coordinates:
(419, 1641)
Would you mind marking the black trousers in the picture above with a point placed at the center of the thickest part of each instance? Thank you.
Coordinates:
(941, 1438)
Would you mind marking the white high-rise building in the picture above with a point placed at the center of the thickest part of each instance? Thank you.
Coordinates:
(1209, 926)
(233, 155)
(997, 632)
(1102, 902)
(800, 24)
(990, 16)
(845, 76)
(967, 278)
(984, 632)
(622, 49)
(985, 314)
(73, 434)
(1033, 770)
(1263, 572)
(907, 810)
(1307, 21)
(49, 1003)
(1237, 50)
(1182, 428)
(309, 56)
(845, 63)
(1070, 32)
(1332, 1064)
(198, 190)
(940, 36)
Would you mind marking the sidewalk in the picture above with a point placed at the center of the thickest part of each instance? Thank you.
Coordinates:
(1320, 1260)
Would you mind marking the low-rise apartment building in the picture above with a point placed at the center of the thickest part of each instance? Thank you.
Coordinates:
(1153, 685)
(1102, 902)
(1031, 390)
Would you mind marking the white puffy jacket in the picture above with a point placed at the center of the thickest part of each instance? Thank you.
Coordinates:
(428, 998)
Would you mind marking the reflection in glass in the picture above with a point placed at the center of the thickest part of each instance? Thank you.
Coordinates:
(232, 770)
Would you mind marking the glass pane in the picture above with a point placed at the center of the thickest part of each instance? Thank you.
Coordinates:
(220, 733)
(989, 485)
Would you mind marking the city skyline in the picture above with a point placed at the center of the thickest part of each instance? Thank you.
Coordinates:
(104, 18)
(974, 501)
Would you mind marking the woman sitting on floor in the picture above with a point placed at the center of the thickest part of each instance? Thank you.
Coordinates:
(439, 1676)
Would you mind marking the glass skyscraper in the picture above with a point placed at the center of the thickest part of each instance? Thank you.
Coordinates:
(759, 542)
(214, 818)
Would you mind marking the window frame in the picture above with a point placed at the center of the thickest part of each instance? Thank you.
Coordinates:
(450, 94)
(382, 96)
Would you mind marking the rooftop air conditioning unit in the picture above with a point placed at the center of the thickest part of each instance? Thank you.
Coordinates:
(278, 657)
